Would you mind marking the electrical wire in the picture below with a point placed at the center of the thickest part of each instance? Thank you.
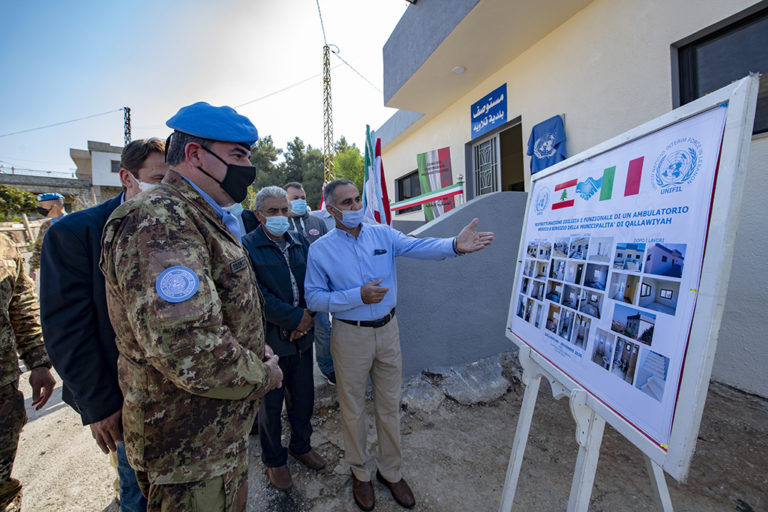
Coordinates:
(321, 22)
(283, 89)
(59, 124)
(336, 53)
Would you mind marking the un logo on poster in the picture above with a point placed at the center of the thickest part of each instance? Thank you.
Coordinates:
(542, 201)
(678, 164)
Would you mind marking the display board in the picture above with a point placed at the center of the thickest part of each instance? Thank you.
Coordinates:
(618, 242)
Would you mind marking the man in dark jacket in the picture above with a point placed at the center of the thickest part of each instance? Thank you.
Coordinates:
(312, 228)
(279, 260)
(76, 328)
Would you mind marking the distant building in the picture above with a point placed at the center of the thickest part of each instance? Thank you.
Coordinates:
(99, 164)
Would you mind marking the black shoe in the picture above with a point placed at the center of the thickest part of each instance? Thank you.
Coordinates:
(331, 377)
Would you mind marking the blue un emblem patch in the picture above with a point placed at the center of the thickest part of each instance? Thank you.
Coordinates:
(177, 284)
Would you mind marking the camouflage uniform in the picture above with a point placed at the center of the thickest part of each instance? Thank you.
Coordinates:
(191, 371)
(19, 333)
(34, 260)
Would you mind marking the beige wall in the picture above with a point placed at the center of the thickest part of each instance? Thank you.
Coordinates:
(608, 69)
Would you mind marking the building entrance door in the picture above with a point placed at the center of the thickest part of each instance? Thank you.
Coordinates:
(497, 162)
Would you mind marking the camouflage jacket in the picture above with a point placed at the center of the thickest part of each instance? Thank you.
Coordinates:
(19, 317)
(190, 364)
(34, 260)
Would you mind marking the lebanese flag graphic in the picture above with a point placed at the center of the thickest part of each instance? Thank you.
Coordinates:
(563, 191)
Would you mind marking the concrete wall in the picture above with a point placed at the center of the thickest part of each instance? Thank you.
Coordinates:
(455, 311)
(742, 352)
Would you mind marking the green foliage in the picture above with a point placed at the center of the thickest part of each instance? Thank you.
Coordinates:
(264, 156)
(304, 164)
(349, 163)
(14, 202)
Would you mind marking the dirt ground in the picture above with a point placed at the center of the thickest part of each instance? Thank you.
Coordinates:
(455, 460)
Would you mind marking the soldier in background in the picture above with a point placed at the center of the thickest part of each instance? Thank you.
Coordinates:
(184, 303)
(51, 206)
(19, 334)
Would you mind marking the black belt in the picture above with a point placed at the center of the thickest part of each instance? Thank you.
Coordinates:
(379, 322)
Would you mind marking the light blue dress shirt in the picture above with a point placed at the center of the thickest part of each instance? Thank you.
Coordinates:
(339, 265)
(234, 224)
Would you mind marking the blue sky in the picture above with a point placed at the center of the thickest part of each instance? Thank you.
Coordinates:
(66, 60)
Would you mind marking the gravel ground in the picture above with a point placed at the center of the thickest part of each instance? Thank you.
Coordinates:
(455, 460)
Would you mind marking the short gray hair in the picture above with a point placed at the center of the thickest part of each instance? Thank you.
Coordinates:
(264, 193)
(330, 190)
(177, 143)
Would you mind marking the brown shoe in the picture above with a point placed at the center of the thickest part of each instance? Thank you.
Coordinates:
(280, 478)
(311, 459)
(363, 494)
(400, 491)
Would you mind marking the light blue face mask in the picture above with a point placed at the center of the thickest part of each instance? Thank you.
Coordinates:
(352, 218)
(299, 206)
(277, 225)
(235, 209)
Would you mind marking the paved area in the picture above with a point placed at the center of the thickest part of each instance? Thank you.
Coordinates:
(458, 426)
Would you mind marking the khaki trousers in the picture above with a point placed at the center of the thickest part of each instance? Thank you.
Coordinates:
(359, 353)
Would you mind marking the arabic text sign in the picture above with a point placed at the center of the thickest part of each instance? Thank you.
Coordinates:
(489, 112)
(613, 249)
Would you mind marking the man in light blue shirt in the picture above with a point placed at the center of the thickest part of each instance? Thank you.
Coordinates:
(351, 273)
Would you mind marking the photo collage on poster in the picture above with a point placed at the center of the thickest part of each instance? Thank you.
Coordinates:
(603, 296)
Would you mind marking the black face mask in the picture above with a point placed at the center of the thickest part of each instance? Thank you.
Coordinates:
(42, 211)
(237, 179)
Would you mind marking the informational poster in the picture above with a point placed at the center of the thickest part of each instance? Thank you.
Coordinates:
(434, 174)
(612, 258)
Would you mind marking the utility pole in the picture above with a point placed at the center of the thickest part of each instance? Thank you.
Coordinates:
(127, 124)
(327, 118)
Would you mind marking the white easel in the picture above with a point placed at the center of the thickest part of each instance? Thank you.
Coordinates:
(591, 414)
(589, 434)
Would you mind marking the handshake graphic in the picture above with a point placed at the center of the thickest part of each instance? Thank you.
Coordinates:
(587, 189)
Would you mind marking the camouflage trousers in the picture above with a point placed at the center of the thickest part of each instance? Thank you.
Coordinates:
(224, 493)
(13, 416)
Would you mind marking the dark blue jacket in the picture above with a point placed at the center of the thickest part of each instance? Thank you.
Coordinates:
(275, 284)
(73, 312)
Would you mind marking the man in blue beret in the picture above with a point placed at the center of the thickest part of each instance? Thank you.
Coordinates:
(51, 207)
(184, 303)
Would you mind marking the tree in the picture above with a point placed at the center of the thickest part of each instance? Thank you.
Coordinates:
(264, 156)
(14, 201)
(348, 163)
(305, 165)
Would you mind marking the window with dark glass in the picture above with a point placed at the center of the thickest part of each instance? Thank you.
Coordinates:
(115, 166)
(407, 187)
(728, 54)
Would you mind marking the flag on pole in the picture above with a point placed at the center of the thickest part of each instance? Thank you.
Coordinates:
(375, 197)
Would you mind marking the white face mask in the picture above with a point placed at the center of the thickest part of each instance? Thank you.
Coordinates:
(143, 186)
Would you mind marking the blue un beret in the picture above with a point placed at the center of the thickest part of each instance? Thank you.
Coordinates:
(223, 124)
(48, 196)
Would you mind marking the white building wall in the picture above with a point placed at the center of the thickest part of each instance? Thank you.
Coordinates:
(608, 69)
(742, 352)
(102, 169)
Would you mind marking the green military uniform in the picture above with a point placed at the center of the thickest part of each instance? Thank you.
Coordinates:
(190, 364)
(34, 260)
(19, 333)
